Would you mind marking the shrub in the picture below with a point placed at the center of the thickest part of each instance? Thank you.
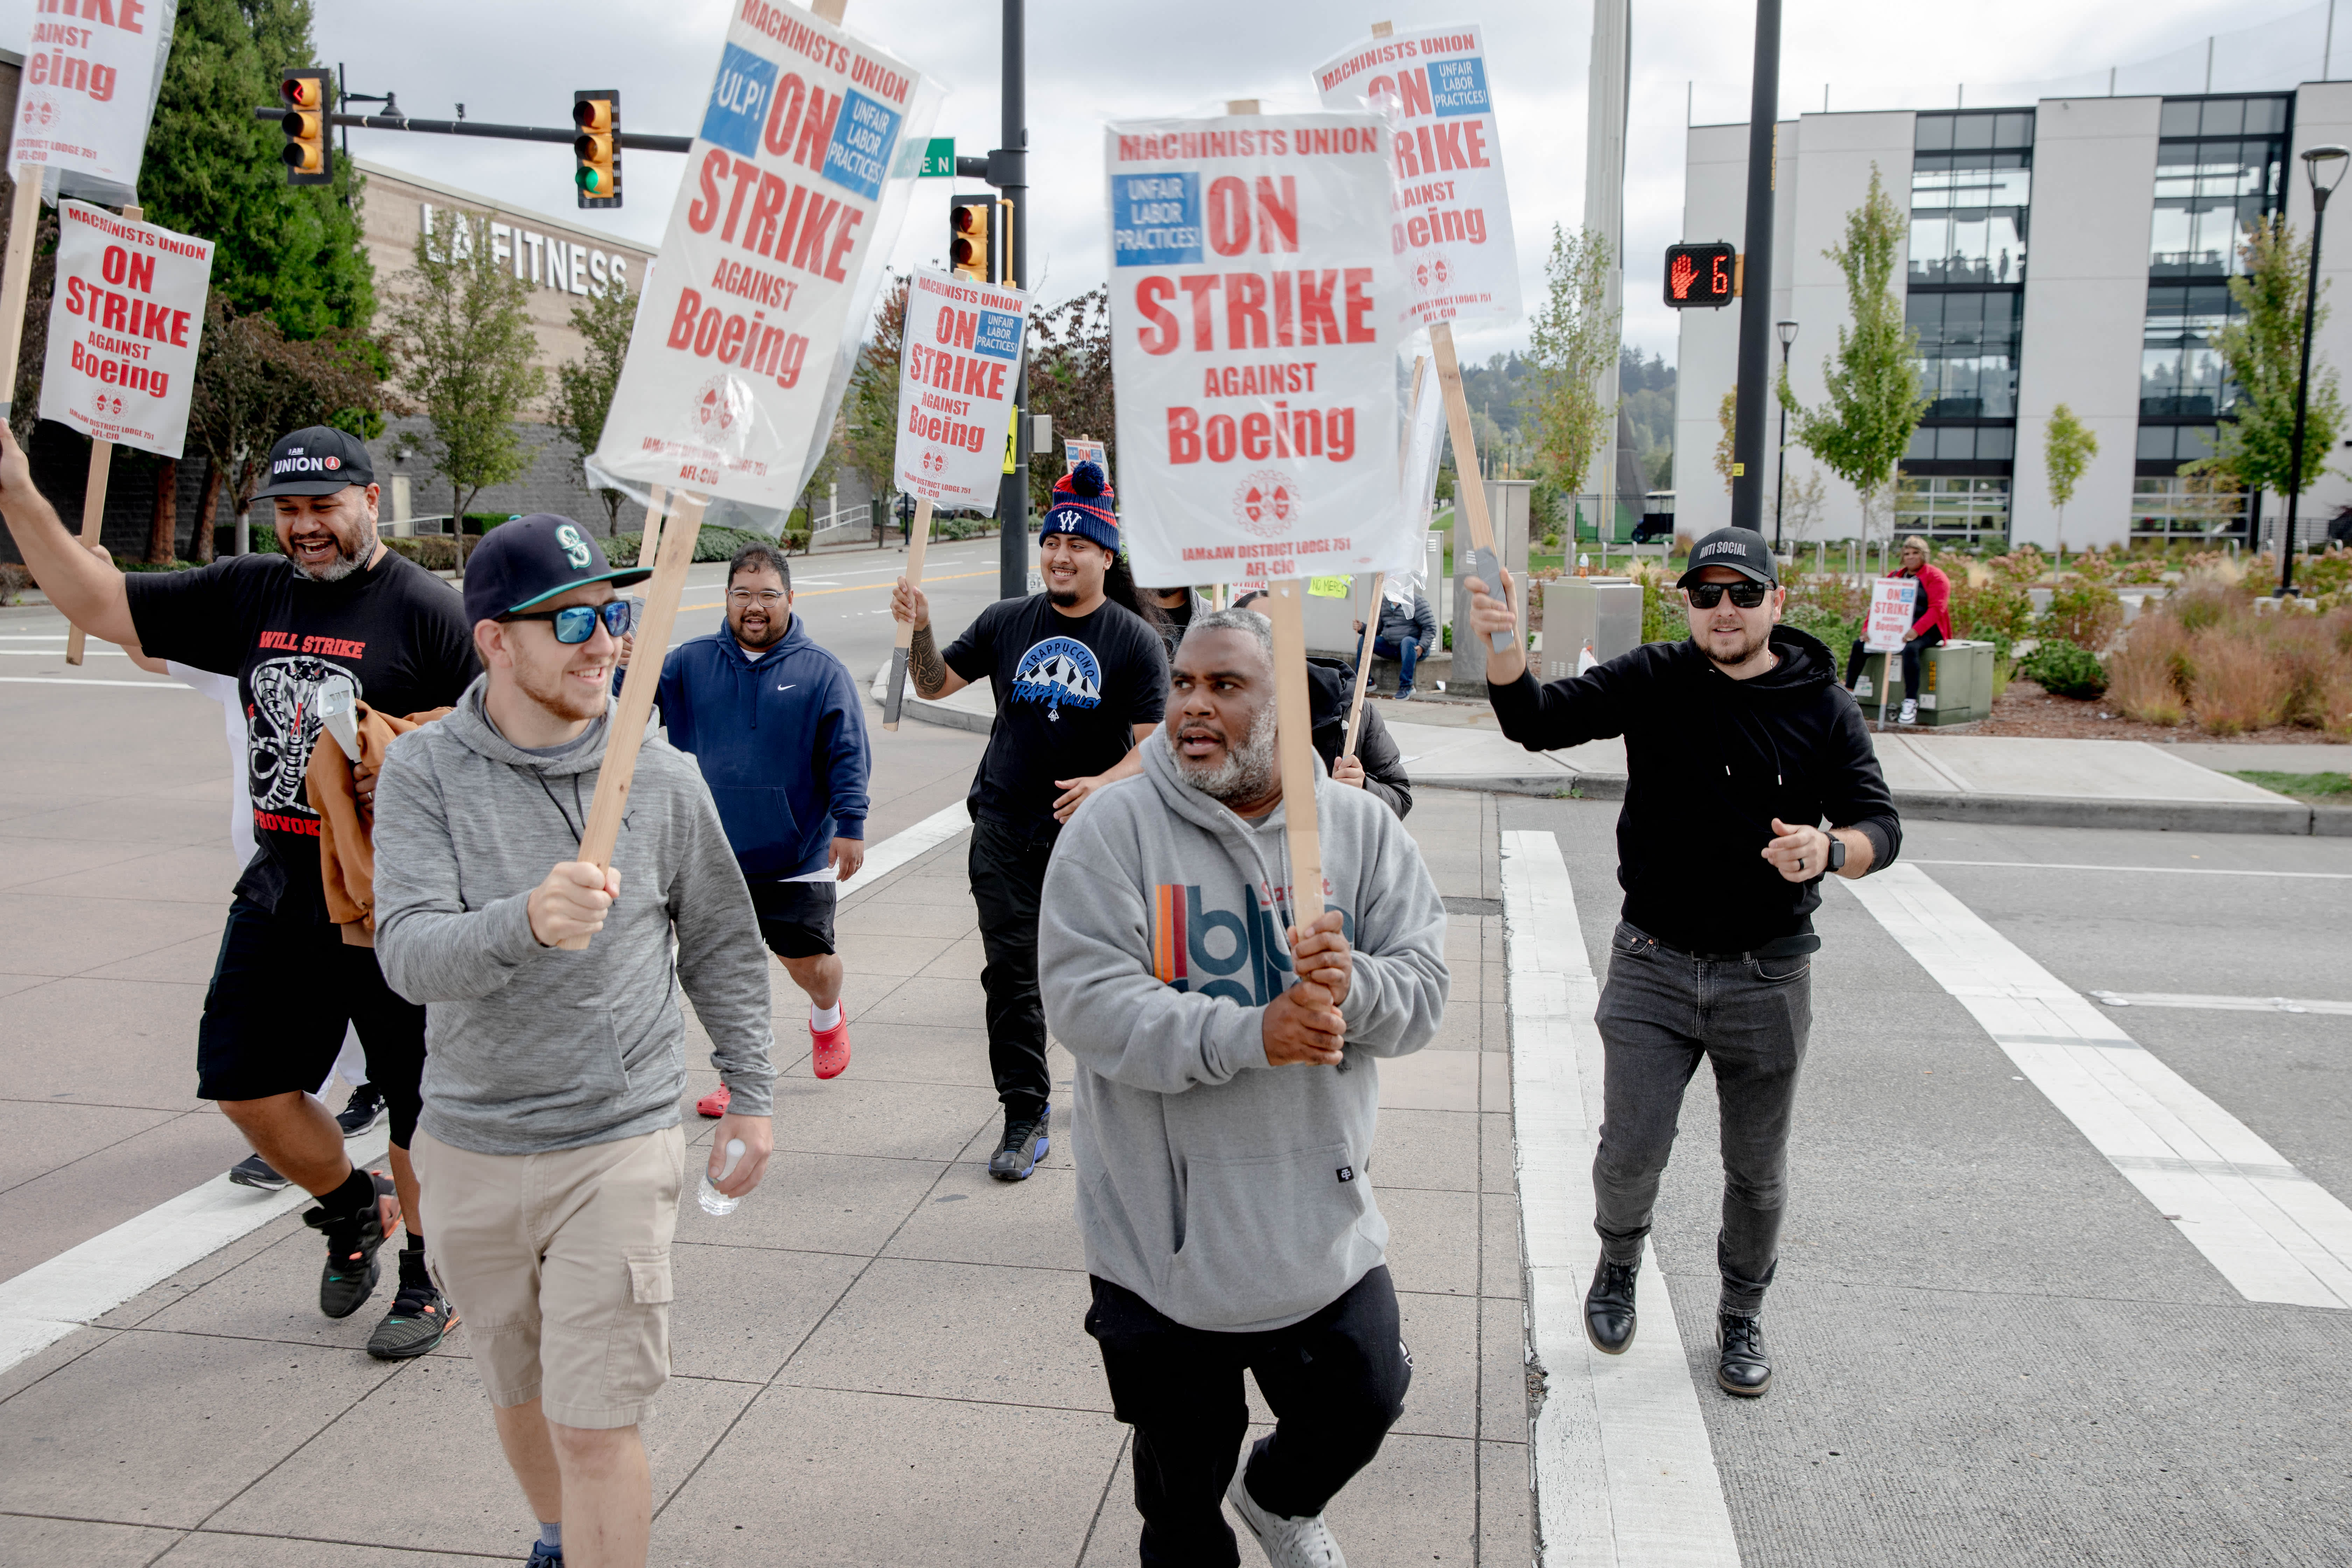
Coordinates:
(2064, 669)
(2084, 613)
(435, 553)
(1827, 606)
(1987, 606)
(2147, 676)
(2236, 684)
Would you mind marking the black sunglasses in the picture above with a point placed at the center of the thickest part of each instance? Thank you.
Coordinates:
(577, 623)
(1708, 595)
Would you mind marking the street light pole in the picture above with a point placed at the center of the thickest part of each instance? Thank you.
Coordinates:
(2313, 158)
(1009, 173)
(1788, 331)
(1756, 275)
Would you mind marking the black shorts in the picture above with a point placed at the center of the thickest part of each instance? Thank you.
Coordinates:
(796, 918)
(283, 994)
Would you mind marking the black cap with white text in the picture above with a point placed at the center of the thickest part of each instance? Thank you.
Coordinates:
(1741, 548)
(318, 461)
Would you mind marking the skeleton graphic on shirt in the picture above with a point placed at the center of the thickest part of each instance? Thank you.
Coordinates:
(284, 726)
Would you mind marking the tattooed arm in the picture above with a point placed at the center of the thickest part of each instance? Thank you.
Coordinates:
(933, 678)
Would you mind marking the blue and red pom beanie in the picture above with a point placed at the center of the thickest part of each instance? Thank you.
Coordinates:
(1084, 505)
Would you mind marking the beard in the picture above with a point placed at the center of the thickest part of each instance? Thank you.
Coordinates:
(1742, 654)
(767, 637)
(1247, 771)
(560, 696)
(348, 558)
(1062, 597)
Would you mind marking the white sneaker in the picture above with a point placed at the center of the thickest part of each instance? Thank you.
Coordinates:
(1288, 1543)
(1910, 714)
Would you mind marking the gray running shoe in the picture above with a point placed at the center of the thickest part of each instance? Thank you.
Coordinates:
(254, 1172)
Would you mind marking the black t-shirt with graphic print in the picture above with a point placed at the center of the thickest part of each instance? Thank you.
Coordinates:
(395, 634)
(1069, 691)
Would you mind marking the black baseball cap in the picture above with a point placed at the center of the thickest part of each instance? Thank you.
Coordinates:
(1741, 548)
(532, 559)
(317, 461)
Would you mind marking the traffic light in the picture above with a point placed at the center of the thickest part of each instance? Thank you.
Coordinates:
(597, 112)
(1703, 276)
(980, 239)
(307, 158)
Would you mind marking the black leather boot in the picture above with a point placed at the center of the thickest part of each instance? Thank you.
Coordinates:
(1608, 1307)
(1744, 1370)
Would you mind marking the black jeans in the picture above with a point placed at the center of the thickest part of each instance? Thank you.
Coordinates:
(1336, 1381)
(1660, 1012)
(1914, 649)
(1008, 877)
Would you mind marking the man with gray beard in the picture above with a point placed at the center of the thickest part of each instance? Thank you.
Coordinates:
(1226, 1084)
(332, 610)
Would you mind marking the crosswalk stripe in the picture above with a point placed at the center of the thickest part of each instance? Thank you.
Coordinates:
(2273, 1233)
(1624, 1474)
(2219, 1003)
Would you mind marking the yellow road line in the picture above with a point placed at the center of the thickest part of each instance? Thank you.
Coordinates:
(854, 588)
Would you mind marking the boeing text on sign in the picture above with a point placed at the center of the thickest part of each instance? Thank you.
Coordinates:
(123, 327)
(88, 91)
(1254, 326)
(956, 379)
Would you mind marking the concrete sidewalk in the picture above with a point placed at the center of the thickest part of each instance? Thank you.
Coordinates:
(2019, 781)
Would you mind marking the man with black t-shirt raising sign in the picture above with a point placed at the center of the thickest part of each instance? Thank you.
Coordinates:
(335, 611)
(1080, 679)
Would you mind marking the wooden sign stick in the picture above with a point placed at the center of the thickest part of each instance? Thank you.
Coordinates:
(1364, 663)
(17, 281)
(1469, 489)
(93, 501)
(1284, 604)
(638, 687)
(657, 504)
(897, 698)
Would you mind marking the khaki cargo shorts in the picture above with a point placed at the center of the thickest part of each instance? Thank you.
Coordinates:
(559, 1266)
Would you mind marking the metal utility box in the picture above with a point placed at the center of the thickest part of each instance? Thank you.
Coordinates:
(1955, 684)
(1603, 613)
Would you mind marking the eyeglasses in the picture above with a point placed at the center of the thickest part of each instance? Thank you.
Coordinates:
(766, 598)
(1708, 595)
(577, 623)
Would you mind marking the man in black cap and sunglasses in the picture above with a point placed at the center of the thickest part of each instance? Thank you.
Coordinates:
(1739, 741)
(332, 610)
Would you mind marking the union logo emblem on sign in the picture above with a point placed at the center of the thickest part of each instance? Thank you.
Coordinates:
(1265, 503)
(716, 405)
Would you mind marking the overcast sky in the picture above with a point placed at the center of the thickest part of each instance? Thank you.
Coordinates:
(1114, 60)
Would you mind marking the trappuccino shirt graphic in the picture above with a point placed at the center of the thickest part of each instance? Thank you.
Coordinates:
(1056, 671)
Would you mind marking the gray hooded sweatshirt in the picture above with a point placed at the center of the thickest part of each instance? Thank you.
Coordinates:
(531, 1048)
(1231, 1196)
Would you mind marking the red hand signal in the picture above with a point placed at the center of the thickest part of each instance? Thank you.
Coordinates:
(1681, 277)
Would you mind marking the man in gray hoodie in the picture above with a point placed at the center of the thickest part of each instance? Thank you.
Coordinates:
(1225, 1108)
(549, 1151)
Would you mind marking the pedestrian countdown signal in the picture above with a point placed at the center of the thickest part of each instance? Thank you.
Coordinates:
(597, 112)
(308, 159)
(1702, 275)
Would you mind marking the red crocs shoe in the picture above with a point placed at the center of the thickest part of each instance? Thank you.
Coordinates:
(831, 1047)
(713, 1105)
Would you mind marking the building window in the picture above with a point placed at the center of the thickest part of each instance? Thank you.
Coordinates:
(1971, 182)
(1963, 510)
(2180, 370)
(2170, 509)
(1968, 352)
(2176, 443)
(1962, 444)
(2220, 165)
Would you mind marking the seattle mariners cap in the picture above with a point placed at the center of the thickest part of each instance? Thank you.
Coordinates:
(1741, 548)
(520, 563)
(318, 461)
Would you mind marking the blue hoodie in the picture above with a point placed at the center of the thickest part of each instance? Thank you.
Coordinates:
(781, 743)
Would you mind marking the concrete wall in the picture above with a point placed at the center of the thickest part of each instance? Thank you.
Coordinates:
(2323, 115)
(2086, 304)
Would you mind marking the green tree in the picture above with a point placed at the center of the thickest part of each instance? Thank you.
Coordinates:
(584, 386)
(462, 340)
(1069, 378)
(2067, 447)
(2262, 349)
(869, 412)
(1575, 343)
(1875, 396)
(212, 169)
(1727, 419)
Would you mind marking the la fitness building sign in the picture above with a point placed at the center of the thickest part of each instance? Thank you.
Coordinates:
(549, 261)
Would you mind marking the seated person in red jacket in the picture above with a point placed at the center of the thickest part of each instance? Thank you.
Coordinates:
(1931, 623)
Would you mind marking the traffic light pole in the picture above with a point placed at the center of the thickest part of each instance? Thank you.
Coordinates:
(1008, 171)
(1756, 282)
(632, 138)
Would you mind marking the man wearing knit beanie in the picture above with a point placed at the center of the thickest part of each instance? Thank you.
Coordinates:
(1079, 680)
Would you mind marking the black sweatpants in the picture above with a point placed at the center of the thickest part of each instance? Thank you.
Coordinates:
(1008, 880)
(1336, 1381)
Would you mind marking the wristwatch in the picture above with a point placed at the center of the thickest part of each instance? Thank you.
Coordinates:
(1837, 854)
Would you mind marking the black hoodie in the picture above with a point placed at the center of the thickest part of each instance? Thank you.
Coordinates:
(1710, 763)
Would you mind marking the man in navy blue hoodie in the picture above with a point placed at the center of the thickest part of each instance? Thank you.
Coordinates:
(775, 723)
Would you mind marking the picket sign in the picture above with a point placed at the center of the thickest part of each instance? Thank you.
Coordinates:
(102, 469)
(1469, 487)
(1284, 604)
(16, 283)
(657, 499)
(1372, 612)
(897, 696)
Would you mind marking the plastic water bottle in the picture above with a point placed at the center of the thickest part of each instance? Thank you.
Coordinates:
(715, 1202)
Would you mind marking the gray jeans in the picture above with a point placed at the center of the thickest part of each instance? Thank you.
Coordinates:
(1661, 1011)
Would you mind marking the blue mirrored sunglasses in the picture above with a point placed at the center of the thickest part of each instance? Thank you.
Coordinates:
(577, 623)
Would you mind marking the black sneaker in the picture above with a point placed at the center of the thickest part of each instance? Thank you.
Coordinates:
(1744, 1369)
(254, 1172)
(545, 1556)
(420, 1315)
(353, 1240)
(363, 1111)
(1025, 1143)
(1608, 1316)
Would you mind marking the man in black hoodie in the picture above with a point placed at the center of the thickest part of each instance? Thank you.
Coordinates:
(1738, 743)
